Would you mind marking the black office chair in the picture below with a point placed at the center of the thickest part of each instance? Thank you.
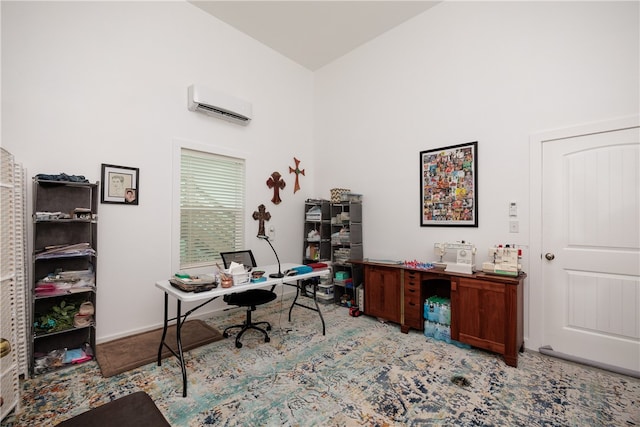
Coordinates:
(249, 298)
(241, 257)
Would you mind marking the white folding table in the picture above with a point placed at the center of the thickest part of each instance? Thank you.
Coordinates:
(207, 296)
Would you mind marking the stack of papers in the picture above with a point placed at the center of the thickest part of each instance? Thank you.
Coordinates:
(61, 251)
(205, 279)
(236, 268)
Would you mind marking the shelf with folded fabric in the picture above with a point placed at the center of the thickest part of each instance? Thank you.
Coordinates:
(346, 244)
(55, 282)
(317, 229)
(61, 351)
(65, 230)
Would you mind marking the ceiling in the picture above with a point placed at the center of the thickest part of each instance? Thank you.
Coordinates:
(313, 33)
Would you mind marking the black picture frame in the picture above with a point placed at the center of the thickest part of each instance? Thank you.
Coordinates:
(449, 186)
(120, 185)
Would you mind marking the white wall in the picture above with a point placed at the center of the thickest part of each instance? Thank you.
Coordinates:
(492, 72)
(86, 83)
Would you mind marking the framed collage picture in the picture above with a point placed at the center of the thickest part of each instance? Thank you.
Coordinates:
(449, 186)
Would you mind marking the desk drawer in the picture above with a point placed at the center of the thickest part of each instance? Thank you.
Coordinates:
(413, 301)
(413, 275)
(412, 292)
(413, 306)
(413, 320)
(411, 283)
(412, 278)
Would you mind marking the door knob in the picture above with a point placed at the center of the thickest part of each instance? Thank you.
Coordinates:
(549, 256)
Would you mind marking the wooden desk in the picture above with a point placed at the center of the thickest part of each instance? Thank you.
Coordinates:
(206, 297)
(486, 310)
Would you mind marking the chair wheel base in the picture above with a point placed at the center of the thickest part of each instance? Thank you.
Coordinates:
(245, 326)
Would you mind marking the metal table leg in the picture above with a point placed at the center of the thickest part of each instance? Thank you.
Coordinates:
(164, 327)
(315, 301)
(179, 323)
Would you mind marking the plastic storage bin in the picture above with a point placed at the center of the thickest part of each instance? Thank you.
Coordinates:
(241, 279)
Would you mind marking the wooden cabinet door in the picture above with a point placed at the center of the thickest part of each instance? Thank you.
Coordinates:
(382, 292)
(482, 314)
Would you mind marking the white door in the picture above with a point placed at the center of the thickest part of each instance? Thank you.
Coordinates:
(591, 246)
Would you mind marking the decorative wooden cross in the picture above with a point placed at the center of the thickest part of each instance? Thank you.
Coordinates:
(276, 182)
(297, 171)
(261, 215)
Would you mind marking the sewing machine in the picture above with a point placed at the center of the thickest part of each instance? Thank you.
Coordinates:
(505, 262)
(465, 256)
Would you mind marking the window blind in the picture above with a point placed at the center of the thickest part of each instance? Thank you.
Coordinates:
(212, 193)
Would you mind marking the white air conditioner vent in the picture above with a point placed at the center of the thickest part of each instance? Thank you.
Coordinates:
(218, 104)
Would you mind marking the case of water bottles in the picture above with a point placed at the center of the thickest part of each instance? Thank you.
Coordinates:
(437, 314)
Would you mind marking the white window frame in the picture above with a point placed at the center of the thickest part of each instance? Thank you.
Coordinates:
(178, 146)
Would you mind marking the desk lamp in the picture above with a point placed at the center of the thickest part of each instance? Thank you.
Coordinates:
(279, 273)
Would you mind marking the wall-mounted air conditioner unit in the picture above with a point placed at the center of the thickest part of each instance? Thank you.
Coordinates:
(219, 105)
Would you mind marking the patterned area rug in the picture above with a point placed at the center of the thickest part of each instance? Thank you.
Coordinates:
(362, 373)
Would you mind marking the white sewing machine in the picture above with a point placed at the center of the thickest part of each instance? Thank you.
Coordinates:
(465, 256)
(505, 262)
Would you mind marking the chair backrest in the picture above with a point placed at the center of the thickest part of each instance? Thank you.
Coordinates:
(241, 257)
